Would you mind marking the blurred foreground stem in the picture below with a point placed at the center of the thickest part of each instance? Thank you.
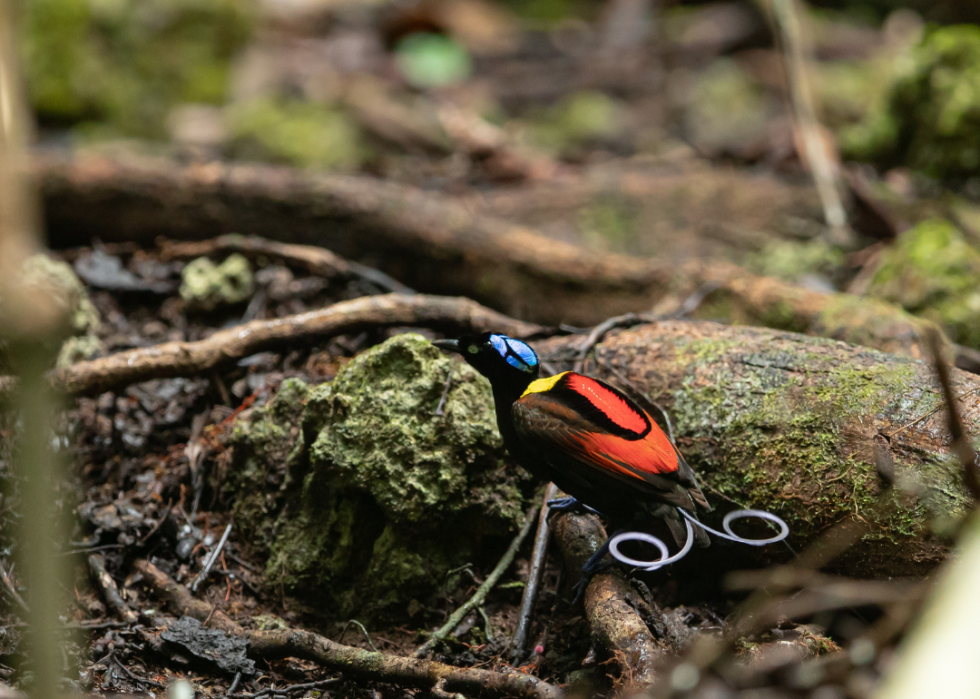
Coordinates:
(30, 326)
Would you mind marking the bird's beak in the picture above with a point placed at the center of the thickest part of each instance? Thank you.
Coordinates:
(448, 345)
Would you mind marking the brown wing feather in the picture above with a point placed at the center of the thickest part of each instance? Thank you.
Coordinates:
(586, 455)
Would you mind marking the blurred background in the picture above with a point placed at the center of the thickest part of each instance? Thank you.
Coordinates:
(647, 127)
(737, 161)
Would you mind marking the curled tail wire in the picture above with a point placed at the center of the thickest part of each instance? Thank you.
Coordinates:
(690, 522)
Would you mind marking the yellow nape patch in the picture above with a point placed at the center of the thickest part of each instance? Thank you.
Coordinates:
(542, 385)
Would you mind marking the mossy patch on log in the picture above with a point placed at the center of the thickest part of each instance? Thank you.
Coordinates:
(796, 425)
(934, 271)
(363, 497)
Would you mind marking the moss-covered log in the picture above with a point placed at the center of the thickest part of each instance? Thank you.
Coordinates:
(796, 425)
(437, 245)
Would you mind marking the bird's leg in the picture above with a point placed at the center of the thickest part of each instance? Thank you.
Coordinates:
(592, 567)
(570, 504)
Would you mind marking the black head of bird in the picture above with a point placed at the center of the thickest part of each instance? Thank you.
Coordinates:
(510, 365)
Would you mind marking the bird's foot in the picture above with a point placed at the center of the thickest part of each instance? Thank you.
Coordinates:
(587, 574)
(592, 567)
(570, 504)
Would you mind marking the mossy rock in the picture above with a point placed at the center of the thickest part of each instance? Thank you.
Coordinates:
(207, 285)
(932, 270)
(297, 133)
(932, 119)
(379, 496)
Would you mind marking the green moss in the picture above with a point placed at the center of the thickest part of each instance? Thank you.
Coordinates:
(379, 497)
(207, 285)
(739, 416)
(726, 108)
(578, 120)
(794, 260)
(609, 222)
(127, 62)
(297, 133)
(932, 120)
(933, 271)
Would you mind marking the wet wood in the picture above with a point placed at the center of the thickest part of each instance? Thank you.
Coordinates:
(618, 631)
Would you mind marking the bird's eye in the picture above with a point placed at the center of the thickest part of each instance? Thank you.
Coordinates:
(473, 349)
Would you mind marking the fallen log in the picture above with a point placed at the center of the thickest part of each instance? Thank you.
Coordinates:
(433, 244)
(351, 661)
(802, 427)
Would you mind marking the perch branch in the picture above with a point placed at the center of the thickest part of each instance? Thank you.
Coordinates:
(615, 624)
(481, 594)
(228, 346)
(352, 662)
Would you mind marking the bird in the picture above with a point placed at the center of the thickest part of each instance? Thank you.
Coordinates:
(587, 437)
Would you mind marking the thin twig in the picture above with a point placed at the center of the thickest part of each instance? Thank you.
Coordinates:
(363, 630)
(206, 570)
(598, 332)
(134, 678)
(961, 443)
(8, 584)
(286, 691)
(445, 391)
(481, 594)
(156, 527)
(824, 172)
(533, 574)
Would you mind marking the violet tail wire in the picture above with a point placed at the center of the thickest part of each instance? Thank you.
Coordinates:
(690, 521)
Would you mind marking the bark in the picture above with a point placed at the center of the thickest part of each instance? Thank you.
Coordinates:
(617, 628)
(352, 662)
(802, 427)
(433, 244)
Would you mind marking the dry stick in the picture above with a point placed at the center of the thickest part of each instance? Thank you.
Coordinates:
(206, 570)
(481, 594)
(598, 332)
(228, 346)
(352, 662)
(961, 443)
(96, 566)
(8, 583)
(825, 176)
(316, 260)
(533, 574)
